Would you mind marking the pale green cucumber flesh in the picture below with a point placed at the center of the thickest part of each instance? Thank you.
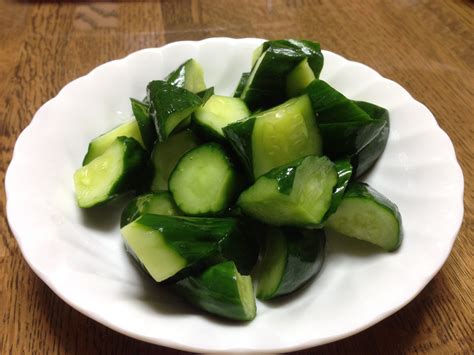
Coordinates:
(174, 120)
(94, 181)
(272, 265)
(299, 78)
(305, 205)
(150, 248)
(166, 154)
(219, 111)
(203, 181)
(367, 220)
(283, 134)
(194, 80)
(256, 64)
(100, 144)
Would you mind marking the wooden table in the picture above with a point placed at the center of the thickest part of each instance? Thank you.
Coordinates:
(426, 46)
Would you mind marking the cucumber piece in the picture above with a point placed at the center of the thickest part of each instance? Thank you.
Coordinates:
(173, 247)
(189, 76)
(160, 203)
(298, 194)
(145, 123)
(367, 215)
(101, 143)
(267, 83)
(204, 181)
(354, 129)
(169, 106)
(366, 157)
(241, 85)
(166, 155)
(218, 112)
(220, 290)
(333, 107)
(276, 137)
(116, 171)
(299, 78)
(291, 257)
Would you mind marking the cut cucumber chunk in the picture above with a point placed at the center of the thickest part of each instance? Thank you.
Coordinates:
(169, 106)
(299, 78)
(189, 76)
(349, 129)
(218, 112)
(220, 290)
(290, 258)
(160, 203)
(366, 157)
(276, 137)
(204, 181)
(167, 245)
(298, 194)
(145, 123)
(116, 171)
(100, 144)
(267, 83)
(166, 154)
(367, 215)
(241, 85)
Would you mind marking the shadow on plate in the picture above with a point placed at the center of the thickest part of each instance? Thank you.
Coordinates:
(105, 217)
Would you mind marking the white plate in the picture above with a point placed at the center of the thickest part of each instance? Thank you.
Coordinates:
(81, 258)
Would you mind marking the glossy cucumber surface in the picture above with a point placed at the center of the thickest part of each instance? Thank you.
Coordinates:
(116, 171)
(276, 137)
(290, 258)
(169, 106)
(168, 245)
(298, 194)
(366, 214)
(101, 143)
(266, 85)
(166, 155)
(204, 181)
(220, 290)
(155, 203)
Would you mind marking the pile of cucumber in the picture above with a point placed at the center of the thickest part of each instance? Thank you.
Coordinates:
(234, 188)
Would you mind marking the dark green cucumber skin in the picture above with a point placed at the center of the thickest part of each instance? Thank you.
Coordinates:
(139, 206)
(350, 129)
(206, 94)
(178, 76)
(304, 258)
(268, 87)
(205, 241)
(134, 161)
(166, 100)
(241, 85)
(344, 173)
(215, 291)
(145, 123)
(332, 106)
(366, 157)
(239, 135)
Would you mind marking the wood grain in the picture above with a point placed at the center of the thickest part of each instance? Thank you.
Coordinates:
(426, 46)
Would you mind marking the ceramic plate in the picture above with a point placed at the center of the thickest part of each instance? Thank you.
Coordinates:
(81, 257)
